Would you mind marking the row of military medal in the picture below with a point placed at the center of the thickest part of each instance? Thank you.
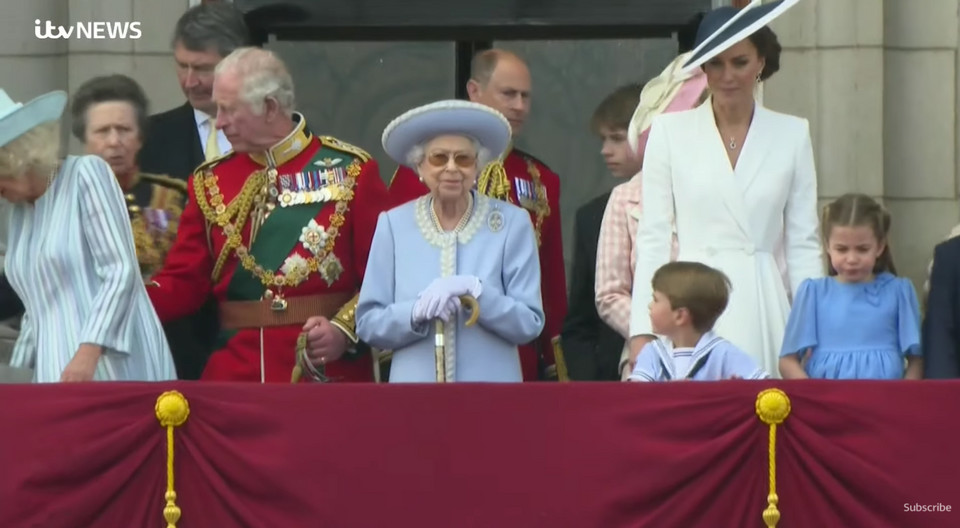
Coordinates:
(307, 187)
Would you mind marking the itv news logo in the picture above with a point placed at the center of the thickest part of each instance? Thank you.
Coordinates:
(88, 30)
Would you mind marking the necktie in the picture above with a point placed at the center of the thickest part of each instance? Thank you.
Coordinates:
(213, 149)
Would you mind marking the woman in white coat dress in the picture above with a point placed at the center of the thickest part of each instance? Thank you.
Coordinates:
(739, 182)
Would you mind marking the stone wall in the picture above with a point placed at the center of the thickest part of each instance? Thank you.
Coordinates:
(877, 80)
(30, 66)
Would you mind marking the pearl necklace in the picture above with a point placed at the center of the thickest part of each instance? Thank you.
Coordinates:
(463, 219)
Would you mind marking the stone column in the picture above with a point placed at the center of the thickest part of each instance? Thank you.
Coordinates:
(920, 132)
(832, 74)
(877, 79)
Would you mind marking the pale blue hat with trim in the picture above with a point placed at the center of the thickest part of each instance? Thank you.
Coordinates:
(16, 119)
(450, 117)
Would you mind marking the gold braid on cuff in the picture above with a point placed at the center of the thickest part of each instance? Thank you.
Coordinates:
(345, 319)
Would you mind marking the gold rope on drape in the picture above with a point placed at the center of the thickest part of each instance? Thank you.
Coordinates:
(773, 407)
(172, 411)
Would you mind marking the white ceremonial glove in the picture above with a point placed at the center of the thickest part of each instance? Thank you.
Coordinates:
(440, 298)
(421, 309)
(456, 286)
(448, 312)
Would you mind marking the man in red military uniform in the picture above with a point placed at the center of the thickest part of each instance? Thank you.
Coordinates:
(501, 80)
(279, 230)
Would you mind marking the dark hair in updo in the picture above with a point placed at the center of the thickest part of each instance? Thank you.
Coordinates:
(768, 48)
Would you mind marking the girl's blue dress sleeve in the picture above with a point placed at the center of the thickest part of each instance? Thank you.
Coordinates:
(801, 332)
(909, 314)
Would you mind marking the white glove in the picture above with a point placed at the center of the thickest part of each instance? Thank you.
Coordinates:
(448, 311)
(421, 310)
(456, 286)
(441, 298)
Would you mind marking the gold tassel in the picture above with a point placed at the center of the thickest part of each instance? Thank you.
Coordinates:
(773, 407)
(172, 411)
(494, 182)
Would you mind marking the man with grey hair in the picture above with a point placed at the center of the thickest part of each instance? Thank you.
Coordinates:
(179, 140)
(279, 231)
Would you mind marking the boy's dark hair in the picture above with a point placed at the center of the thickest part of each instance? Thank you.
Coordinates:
(700, 289)
(616, 109)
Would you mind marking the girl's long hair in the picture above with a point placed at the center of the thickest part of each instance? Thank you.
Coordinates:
(856, 210)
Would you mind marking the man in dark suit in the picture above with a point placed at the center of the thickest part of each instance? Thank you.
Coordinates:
(941, 325)
(591, 347)
(179, 140)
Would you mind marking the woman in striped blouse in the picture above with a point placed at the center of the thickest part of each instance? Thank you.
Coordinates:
(71, 258)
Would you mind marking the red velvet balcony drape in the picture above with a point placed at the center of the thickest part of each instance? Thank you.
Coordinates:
(851, 454)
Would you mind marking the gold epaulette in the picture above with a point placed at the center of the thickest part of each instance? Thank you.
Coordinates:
(336, 144)
(210, 163)
(165, 181)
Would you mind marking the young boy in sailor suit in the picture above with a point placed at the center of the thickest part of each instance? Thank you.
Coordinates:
(688, 298)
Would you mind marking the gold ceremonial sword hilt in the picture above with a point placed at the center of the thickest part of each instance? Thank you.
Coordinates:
(303, 364)
(440, 355)
(300, 352)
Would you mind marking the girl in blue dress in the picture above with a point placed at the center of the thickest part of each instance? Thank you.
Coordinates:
(861, 321)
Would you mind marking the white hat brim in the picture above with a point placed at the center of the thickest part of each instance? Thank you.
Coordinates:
(454, 117)
(745, 23)
(43, 109)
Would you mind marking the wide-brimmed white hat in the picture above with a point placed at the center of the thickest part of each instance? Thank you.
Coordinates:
(17, 118)
(455, 117)
(725, 26)
(671, 91)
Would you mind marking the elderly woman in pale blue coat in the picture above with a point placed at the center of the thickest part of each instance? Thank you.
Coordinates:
(452, 242)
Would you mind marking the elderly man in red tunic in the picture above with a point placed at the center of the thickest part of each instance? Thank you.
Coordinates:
(279, 230)
(501, 80)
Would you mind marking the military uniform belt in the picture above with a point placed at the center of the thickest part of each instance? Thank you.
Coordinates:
(264, 313)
